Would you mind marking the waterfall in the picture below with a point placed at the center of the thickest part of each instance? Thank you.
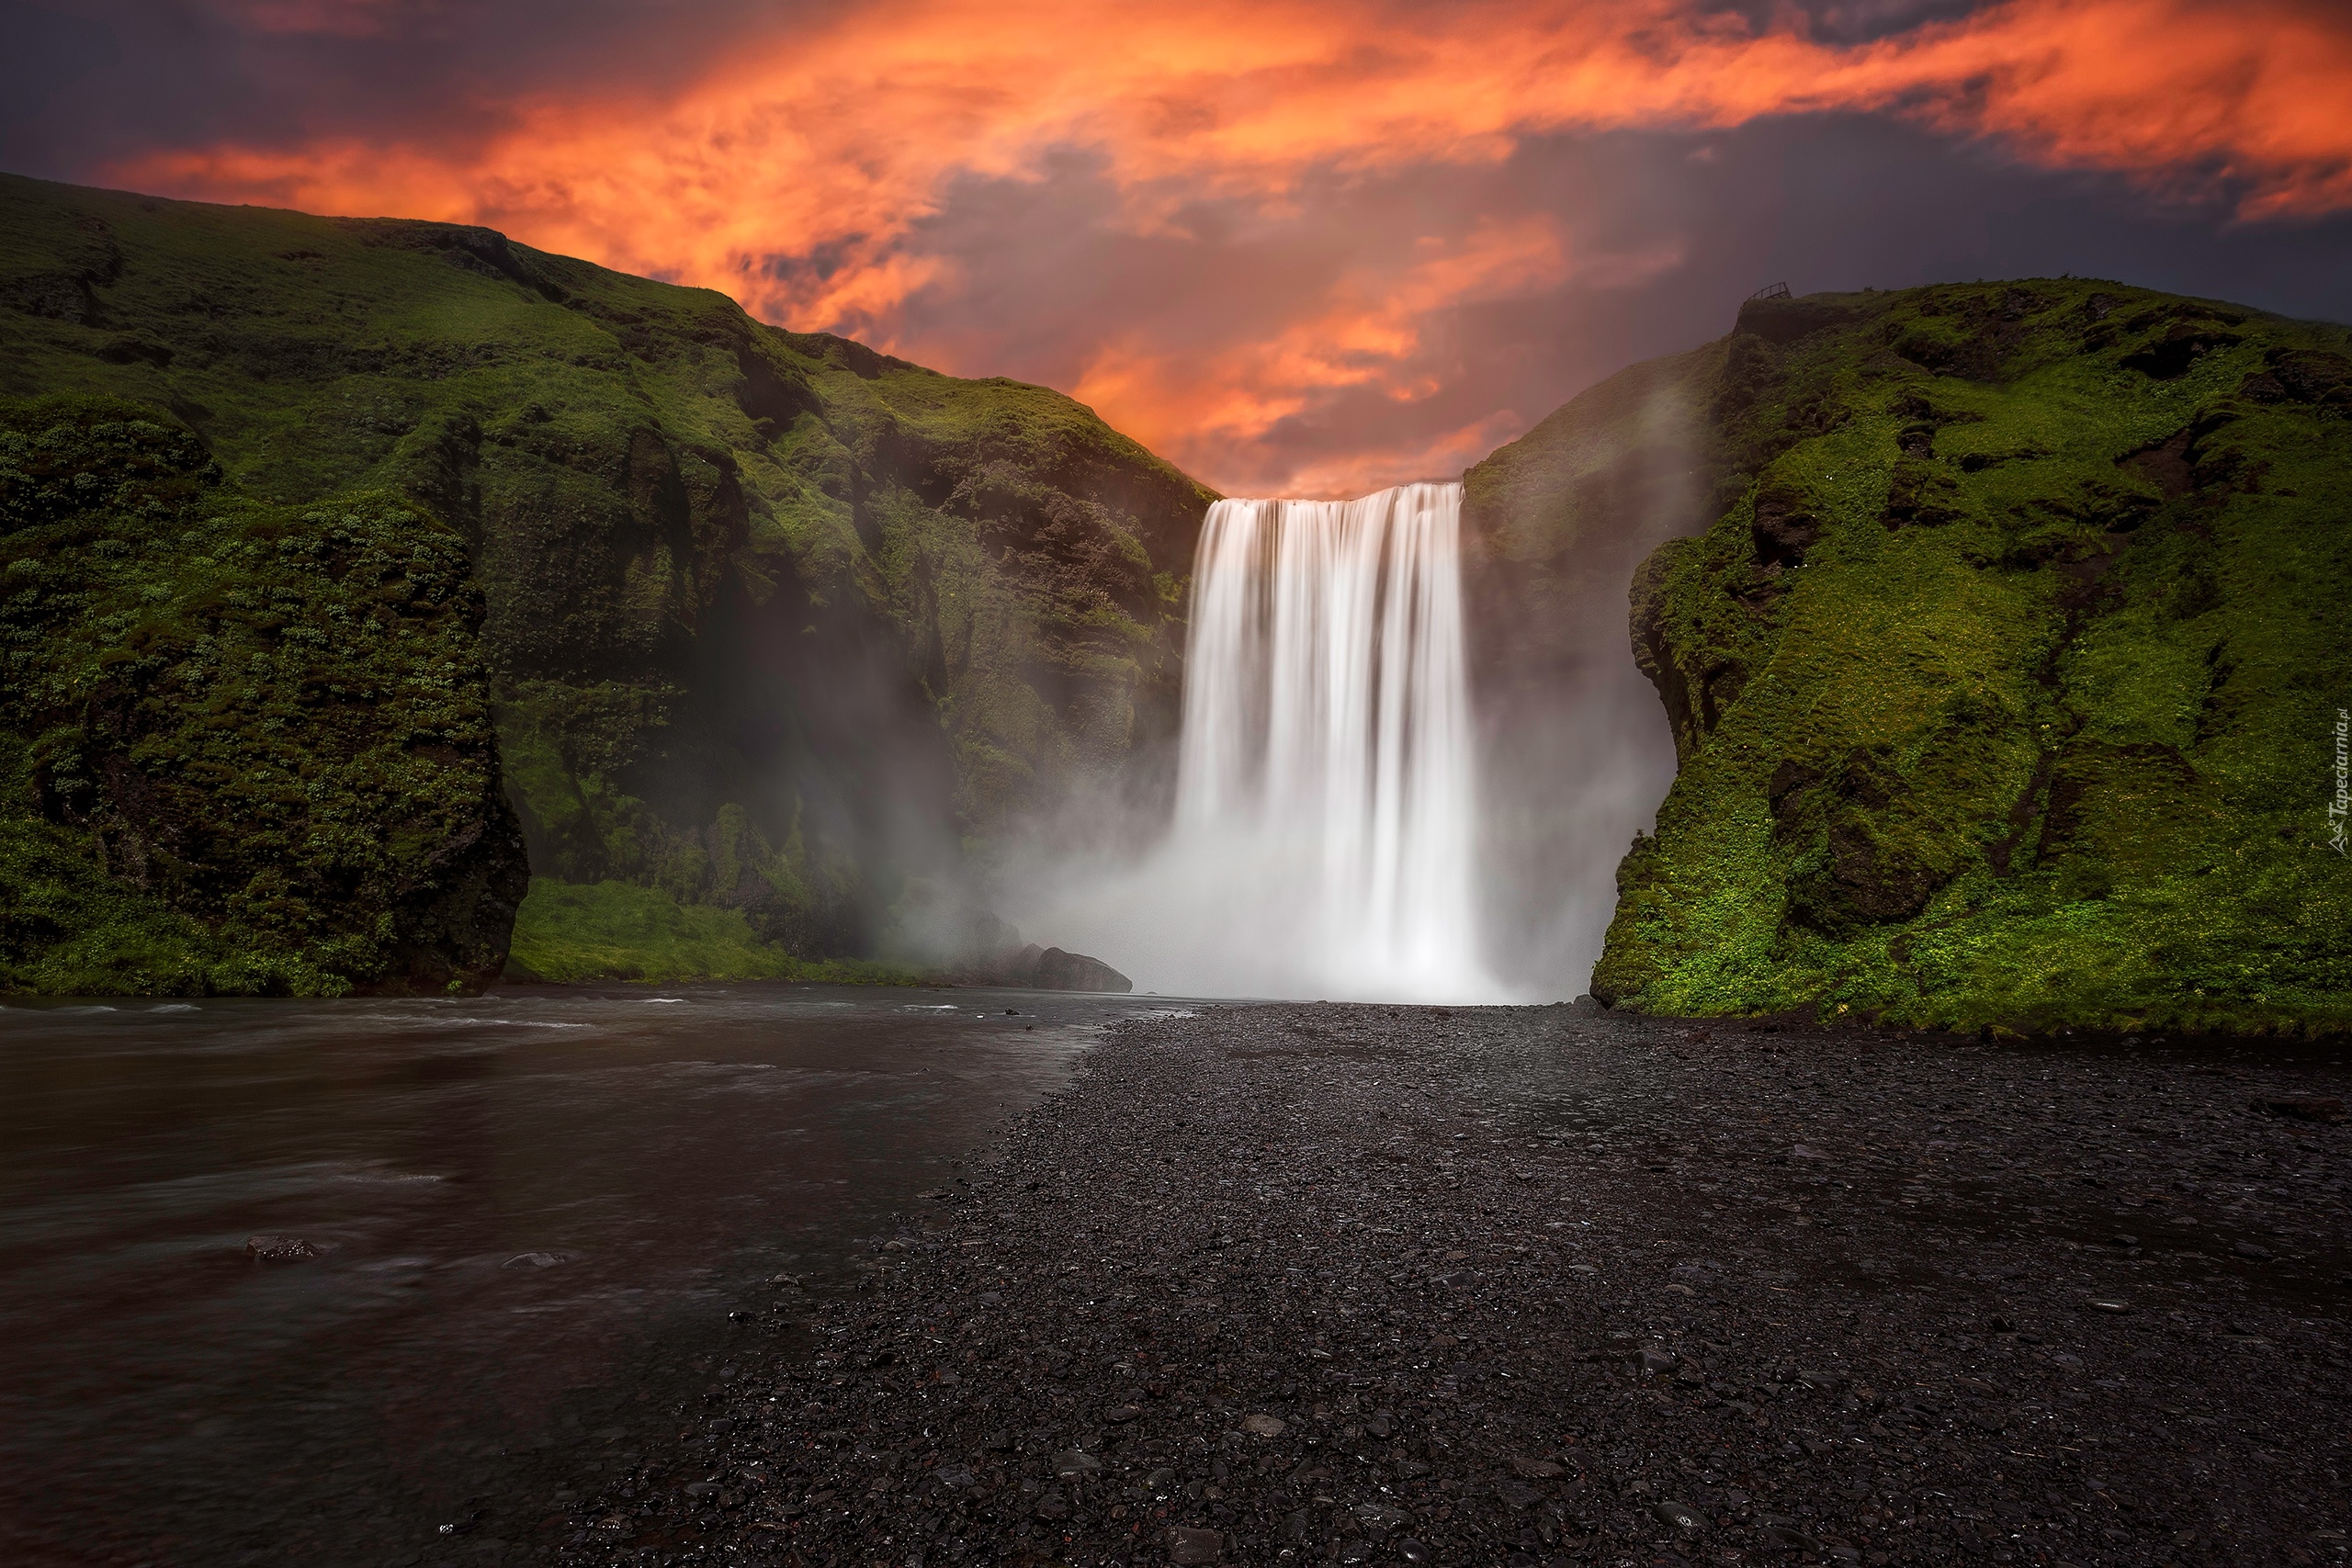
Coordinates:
(1326, 779)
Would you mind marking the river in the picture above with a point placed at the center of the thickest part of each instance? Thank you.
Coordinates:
(532, 1214)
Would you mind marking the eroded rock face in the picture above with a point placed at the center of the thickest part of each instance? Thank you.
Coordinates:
(251, 745)
(1994, 598)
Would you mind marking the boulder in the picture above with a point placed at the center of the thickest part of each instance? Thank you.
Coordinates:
(1059, 971)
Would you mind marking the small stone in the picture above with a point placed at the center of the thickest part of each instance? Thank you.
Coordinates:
(2251, 1249)
(1658, 1359)
(1119, 1414)
(1263, 1425)
(1413, 1551)
(279, 1250)
(533, 1260)
(1534, 1468)
(1070, 1463)
(1682, 1516)
(2111, 1306)
(1186, 1545)
(1052, 1506)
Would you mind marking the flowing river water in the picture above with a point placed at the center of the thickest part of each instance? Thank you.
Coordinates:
(533, 1214)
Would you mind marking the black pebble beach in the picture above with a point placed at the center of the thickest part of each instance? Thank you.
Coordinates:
(1298, 1284)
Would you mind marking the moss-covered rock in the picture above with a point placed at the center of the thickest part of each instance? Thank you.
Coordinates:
(243, 747)
(773, 623)
(2005, 673)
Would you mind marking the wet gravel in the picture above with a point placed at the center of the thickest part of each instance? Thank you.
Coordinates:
(1296, 1284)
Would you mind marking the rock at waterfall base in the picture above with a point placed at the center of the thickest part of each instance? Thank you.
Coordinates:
(1050, 969)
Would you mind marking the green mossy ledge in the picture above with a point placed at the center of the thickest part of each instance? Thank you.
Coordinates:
(243, 747)
(772, 624)
(2006, 671)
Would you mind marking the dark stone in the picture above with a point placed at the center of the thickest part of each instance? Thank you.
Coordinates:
(1187, 1545)
(1060, 971)
(1682, 1516)
(1048, 969)
(279, 1250)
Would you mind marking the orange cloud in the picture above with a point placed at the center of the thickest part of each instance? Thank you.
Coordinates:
(837, 141)
(1194, 405)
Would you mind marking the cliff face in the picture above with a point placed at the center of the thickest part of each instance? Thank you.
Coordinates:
(243, 747)
(772, 624)
(1573, 757)
(2004, 677)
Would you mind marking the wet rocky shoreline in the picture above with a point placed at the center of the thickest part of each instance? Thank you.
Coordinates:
(1292, 1284)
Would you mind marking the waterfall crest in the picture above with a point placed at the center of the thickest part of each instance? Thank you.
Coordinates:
(1328, 753)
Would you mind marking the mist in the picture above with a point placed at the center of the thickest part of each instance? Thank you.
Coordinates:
(1237, 872)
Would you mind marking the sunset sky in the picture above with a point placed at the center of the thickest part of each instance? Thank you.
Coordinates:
(1306, 248)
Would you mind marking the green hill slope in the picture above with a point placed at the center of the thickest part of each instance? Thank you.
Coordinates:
(2006, 673)
(243, 746)
(772, 623)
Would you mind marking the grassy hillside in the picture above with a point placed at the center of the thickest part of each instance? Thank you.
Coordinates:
(2006, 671)
(243, 747)
(773, 623)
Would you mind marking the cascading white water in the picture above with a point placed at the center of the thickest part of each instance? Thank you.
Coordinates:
(1326, 780)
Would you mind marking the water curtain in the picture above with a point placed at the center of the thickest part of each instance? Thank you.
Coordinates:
(1328, 734)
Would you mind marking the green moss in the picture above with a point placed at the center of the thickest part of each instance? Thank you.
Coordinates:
(247, 747)
(723, 566)
(567, 933)
(2004, 682)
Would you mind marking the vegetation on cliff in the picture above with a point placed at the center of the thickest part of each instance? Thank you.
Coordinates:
(243, 747)
(774, 624)
(2006, 672)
